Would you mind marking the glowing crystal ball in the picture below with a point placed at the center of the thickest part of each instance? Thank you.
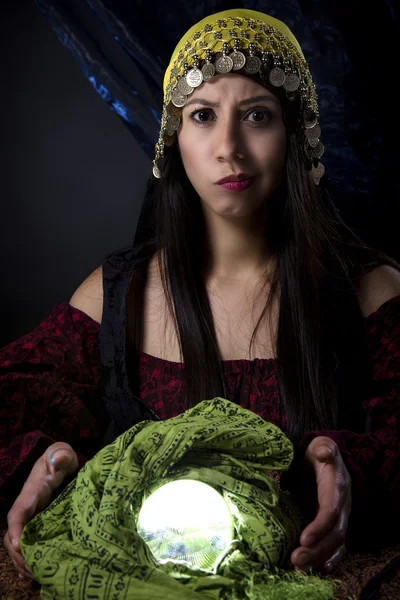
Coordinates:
(186, 521)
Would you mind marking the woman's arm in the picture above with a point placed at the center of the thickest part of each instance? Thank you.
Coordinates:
(372, 458)
(50, 388)
(369, 461)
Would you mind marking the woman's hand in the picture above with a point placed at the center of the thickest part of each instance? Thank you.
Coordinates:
(323, 540)
(47, 475)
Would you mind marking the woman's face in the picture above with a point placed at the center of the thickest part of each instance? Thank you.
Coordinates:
(233, 125)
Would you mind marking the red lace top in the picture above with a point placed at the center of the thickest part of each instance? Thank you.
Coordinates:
(51, 390)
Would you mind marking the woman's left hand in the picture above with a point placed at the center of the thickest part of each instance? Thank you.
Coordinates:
(323, 540)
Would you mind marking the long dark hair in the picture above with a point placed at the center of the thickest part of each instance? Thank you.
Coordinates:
(320, 345)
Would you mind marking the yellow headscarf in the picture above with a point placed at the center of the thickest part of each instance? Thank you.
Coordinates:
(228, 15)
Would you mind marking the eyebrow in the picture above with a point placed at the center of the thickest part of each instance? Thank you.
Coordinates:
(205, 102)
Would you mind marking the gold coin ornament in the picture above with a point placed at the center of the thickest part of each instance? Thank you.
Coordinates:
(252, 66)
(277, 77)
(172, 125)
(208, 71)
(238, 59)
(309, 119)
(313, 134)
(173, 110)
(224, 64)
(292, 82)
(178, 99)
(317, 151)
(318, 171)
(173, 122)
(184, 88)
(313, 142)
(194, 77)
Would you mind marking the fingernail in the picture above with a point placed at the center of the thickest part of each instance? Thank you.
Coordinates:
(20, 576)
(52, 457)
(328, 566)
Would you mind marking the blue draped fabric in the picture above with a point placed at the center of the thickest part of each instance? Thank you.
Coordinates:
(124, 47)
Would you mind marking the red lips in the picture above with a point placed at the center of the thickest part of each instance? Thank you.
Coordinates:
(234, 177)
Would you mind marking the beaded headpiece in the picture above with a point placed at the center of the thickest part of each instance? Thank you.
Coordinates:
(247, 42)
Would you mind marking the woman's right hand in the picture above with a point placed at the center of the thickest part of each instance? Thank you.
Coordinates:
(46, 477)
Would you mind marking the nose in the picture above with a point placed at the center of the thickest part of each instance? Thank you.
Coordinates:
(229, 144)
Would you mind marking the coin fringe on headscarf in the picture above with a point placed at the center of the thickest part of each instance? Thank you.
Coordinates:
(248, 42)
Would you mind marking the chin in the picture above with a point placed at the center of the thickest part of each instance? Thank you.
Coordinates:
(235, 209)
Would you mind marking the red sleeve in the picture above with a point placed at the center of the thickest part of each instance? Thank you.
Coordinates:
(50, 390)
(373, 458)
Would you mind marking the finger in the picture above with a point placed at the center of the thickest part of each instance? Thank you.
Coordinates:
(61, 457)
(334, 497)
(26, 575)
(326, 452)
(26, 503)
(60, 460)
(46, 476)
(335, 559)
(322, 525)
(334, 507)
(20, 513)
(316, 556)
(16, 557)
(321, 448)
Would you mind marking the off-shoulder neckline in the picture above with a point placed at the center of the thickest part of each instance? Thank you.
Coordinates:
(371, 317)
(263, 361)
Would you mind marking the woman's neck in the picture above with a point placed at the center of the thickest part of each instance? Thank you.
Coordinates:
(237, 250)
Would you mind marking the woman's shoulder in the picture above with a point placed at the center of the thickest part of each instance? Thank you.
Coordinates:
(115, 269)
(88, 297)
(377, 287)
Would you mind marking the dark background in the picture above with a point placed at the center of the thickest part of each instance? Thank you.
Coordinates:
(72, 176)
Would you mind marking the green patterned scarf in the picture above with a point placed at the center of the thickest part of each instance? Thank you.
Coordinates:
(86, 545)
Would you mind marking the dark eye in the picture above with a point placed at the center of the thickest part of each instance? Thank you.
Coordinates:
(260, 115)
(201, 114)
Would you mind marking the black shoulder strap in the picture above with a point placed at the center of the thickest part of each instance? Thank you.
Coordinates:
(117, 271)
(124, 408)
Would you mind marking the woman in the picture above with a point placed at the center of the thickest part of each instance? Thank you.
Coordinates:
(243, 282)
